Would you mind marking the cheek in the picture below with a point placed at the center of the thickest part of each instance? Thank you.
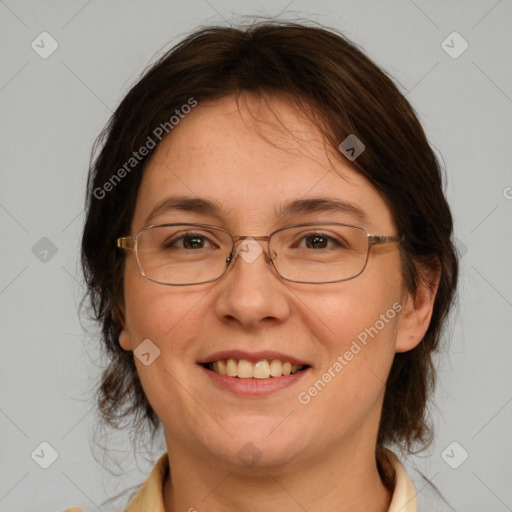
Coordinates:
(345, 311)
(159, 313)
(356, 325)
(361, 332)
(170, 318)
(358, 348)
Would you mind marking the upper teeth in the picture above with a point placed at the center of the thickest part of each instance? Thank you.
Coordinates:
(260, 370)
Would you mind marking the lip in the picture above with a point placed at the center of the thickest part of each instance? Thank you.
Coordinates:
(253, 387)
(253, 357)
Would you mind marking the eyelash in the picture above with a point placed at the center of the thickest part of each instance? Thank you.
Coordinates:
(191, 235)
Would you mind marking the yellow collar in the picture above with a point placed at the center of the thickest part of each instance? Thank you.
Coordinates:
(150, 497)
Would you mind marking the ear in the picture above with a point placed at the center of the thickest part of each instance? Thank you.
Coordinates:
(417, 311)
(124, 336)
(125, 340)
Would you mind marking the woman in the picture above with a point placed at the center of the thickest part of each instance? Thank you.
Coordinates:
(268, 250)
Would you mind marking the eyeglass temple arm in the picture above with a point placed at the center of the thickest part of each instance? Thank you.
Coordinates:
(126, 242)
(379, 240)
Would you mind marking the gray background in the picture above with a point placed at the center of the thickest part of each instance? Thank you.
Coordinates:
(52, 109)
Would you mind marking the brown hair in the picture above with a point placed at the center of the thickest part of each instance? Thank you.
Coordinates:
(324, 73)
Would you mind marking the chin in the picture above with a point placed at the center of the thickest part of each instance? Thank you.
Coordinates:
(262, 443)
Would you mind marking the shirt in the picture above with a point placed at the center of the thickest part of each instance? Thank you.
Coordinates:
(150, 496)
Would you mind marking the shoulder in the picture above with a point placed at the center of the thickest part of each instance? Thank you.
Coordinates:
(430, 498)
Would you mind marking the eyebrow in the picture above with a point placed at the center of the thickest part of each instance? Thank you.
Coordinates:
(321, 205)
(290, 208)
(185, 204)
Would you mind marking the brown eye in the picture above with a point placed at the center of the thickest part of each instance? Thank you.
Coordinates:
(319, 241)
(188, 241)
(316, 242)
(193, 242)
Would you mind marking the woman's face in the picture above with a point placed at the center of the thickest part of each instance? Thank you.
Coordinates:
(345, 332)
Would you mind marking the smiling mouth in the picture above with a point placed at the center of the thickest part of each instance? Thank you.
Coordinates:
(263, 369)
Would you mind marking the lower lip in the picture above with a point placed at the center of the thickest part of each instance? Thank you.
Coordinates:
(253, 387)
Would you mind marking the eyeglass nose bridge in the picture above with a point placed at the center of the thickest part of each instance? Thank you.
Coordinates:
(238, 239)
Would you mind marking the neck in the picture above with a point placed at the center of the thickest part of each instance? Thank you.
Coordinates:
(332, 482)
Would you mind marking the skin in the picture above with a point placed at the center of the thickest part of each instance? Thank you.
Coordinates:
(319, 456)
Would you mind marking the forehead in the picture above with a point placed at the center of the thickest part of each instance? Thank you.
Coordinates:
(250, 157)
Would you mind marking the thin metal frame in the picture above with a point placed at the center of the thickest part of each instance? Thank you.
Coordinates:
(130, 243)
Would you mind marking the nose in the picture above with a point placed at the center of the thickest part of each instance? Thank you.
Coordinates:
(251, 292)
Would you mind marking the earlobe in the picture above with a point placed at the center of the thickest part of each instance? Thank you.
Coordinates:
(417, 312)
(124, 336)
(124, 340)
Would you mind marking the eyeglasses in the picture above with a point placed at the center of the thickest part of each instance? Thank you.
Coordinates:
(314, 253)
